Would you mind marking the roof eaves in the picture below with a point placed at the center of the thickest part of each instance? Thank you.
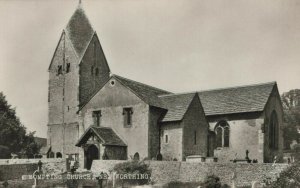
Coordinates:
(135, 93)
(85, 132)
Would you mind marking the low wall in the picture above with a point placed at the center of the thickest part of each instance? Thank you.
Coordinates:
(15, 168)
(25, 161)
(166, 171)
(15, 171)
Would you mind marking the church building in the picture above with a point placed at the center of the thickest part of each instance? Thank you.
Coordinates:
(94, 114)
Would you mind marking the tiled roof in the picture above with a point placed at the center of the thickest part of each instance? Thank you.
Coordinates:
(79, 30)
(45, 149)
(177, 105)
(251, 98)
(105, 134)
(40, 141)
(147, 93)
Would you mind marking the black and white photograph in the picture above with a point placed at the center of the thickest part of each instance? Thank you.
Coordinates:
(149, 94)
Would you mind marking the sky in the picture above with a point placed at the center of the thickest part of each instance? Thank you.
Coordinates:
(176, 45)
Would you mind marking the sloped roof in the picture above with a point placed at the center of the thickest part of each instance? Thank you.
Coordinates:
(105, 134)
(147, 93)
(40, 141)
(251, 98)
(79, 30)
(177, 105)
(45, 149)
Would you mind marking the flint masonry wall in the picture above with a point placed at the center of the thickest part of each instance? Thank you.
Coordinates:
(274, 104)
(167, 171)
(14, 168)
(245, 134)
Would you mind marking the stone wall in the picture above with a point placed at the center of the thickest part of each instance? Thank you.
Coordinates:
(154, 143)
(173, 148)
(244, 135)
(14, 168)
(166, 171)
(274, 104)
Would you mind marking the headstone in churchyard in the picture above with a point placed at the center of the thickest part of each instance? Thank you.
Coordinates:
(256, 184)
(247, 156)
(5, 184)
(274, 160)
(233, 180)
(68, 163)
(36, 174)
(159, 157)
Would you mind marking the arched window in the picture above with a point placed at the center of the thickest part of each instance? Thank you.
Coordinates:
(273, 131)
(222, 131)
(136, 156)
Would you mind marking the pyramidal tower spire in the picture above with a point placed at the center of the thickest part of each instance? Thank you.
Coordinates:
(79, 30)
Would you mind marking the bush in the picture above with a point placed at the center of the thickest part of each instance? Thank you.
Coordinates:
(133, 173)
(178, 184)
(4, 152)
(212, 181)
(288, 178)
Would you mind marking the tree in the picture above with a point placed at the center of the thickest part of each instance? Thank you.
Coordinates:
(291, 107)
(13, 134)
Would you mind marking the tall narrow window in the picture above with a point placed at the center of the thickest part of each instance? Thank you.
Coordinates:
(92, 70)
(222, 134)
(68, 67)
(97, 71)
(226, 136)
(219, 136)
(166, 138)
(59, 69)
(127, 113)
(273, 131)
(195, 137)
(97, 118)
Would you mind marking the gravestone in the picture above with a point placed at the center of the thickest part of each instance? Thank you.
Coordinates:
(233, 180)
(36, 174)
(159, 157)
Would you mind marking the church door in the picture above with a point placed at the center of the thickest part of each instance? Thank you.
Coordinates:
(91, 154)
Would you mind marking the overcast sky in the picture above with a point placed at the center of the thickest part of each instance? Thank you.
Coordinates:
(177, 45)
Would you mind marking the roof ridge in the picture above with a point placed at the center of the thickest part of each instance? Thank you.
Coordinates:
(177, 94)
(101, 127)
(224, 88)
(140, 83)
(242, 86)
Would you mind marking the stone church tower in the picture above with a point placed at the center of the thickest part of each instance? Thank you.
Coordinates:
(77, 70)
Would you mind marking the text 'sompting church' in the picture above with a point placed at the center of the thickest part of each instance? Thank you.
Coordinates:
(94, 114)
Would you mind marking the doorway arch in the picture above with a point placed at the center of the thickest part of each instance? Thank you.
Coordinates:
(92, 153)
